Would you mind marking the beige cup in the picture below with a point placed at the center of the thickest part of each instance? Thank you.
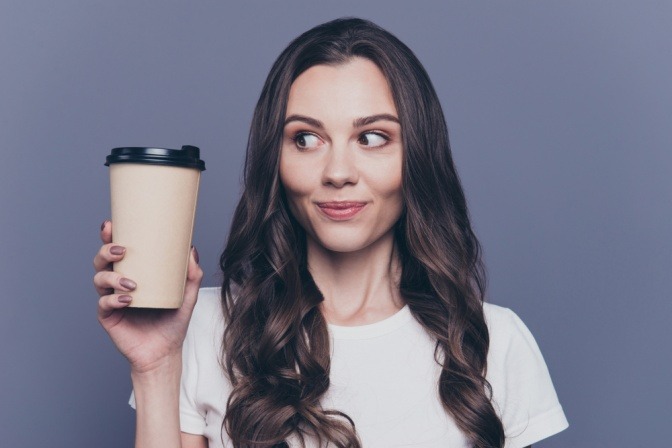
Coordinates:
(154, 193)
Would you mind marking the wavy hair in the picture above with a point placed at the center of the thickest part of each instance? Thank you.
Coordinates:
(276, 345)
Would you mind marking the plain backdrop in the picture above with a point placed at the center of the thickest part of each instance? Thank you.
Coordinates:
(560, 116)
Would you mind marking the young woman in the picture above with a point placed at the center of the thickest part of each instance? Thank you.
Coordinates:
(351, 312)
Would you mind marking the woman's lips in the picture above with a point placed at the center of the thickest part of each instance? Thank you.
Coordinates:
(341, 210)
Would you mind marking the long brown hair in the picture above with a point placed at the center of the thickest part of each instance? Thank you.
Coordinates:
(276, 345)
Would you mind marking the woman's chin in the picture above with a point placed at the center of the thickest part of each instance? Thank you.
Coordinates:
(345, 241)
(342, 246)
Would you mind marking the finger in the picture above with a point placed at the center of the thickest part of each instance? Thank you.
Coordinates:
(106, 231)
(108, 254)
(194, 278)
(194, 271)
(108, 304)
(105, 281)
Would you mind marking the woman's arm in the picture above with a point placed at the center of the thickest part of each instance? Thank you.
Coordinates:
(157, 397)
(152, 342)
(157, 410)
(193, 441)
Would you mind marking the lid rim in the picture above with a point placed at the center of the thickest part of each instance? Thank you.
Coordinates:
(188, 156)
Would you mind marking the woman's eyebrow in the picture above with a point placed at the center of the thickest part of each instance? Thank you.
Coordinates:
(360, 122)
(311, 121)
(356, 123)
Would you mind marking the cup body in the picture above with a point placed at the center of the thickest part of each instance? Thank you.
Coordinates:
(153, 211)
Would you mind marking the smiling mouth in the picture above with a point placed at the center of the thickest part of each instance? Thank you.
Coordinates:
(341, 210)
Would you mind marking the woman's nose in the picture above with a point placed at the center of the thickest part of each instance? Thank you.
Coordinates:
(339, 168)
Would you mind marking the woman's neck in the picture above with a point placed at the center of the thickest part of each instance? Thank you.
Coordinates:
(359, 288)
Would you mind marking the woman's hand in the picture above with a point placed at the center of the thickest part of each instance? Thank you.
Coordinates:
(148, 338)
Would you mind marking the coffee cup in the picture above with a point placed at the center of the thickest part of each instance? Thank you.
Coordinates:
(153, 196)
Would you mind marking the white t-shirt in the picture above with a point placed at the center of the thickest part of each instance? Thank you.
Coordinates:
(383, 375)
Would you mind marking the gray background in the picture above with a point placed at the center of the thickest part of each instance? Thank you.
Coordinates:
(560, 116)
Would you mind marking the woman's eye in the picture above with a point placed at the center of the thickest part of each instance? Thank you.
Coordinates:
(373, 139)
(304, 140)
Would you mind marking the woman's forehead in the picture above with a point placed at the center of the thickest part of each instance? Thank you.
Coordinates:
(356, 88)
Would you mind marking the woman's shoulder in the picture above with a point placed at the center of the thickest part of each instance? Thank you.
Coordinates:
(208, 315)
(497, 314)
(209, 300)
(503, 322)
(523, 392)
(510, 338)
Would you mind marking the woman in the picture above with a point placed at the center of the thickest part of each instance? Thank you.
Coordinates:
(351, 311)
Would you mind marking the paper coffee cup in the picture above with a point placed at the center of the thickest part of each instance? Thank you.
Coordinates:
(154, 193)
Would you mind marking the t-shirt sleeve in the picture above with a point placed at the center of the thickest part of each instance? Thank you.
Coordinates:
(192, 419)
(527, 401)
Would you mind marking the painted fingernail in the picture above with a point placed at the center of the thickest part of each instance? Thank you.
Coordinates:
(127, 283)
(102, 226)
(195, 254)
(124, 299)
(117, 250)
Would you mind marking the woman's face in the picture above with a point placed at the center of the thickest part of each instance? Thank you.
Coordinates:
(341, 155)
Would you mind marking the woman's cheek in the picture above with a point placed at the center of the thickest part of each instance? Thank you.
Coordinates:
(387, 182)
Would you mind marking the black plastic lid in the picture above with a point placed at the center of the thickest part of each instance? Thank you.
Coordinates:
(187, 157)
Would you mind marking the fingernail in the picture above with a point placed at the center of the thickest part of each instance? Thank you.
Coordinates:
(124, 299)
(195, 254)
(127, 283)
(102, 226)
(117, 250)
